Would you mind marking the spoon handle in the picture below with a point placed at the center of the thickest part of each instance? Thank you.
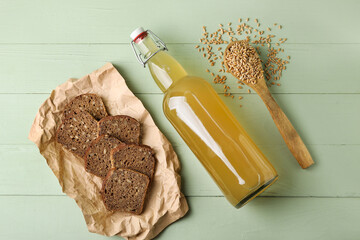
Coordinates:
(288, 132)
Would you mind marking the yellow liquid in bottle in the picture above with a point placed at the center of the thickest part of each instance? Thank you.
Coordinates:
(212, 132)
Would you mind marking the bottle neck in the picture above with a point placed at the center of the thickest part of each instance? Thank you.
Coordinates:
(146, 45)
(164, 68)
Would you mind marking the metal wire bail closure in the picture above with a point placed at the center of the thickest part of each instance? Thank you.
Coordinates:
(139, 56)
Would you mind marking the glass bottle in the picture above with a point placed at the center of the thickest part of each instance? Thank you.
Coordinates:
(211, 131)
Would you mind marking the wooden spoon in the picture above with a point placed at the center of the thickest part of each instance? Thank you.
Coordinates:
(288, 132)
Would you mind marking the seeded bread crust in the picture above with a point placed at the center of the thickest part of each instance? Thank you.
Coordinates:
(125, 190)
(77, 132)
(97, 156)
(89, 102)
(135, 157)
(124, 128)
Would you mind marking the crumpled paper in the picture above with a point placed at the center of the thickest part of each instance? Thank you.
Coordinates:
(165, 203)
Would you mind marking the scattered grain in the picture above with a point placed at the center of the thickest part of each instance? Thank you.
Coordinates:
(272, 64)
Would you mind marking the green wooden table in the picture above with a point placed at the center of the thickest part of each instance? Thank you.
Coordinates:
(43, 43)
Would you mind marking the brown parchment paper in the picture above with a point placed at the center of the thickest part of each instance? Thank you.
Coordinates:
(165, 202)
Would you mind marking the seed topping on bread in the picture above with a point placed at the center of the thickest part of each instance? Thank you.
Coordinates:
(125, 190)
(124, 128)
(91, 103)
(77, 132)
(97, 157)
(135, 157)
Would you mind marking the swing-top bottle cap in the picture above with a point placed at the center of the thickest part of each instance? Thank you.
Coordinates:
(136, 33)
(137, 36)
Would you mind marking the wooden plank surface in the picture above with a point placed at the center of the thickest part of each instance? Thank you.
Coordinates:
(319, 118)
(264, 218)
(43, 43)
(331, 160)
(43, 67)
(112, 21)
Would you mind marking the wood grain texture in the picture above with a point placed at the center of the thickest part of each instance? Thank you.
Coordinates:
(43, 43)
(319, 118)
(286, 129)
(38, 68)
(112, 21)
(325, 179)
(263, 218)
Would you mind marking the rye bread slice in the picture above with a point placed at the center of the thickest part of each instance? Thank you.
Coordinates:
(135, 157)
(125, 190)
(124, 128)
(77, 132)
(89, 102)
(97, 157)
